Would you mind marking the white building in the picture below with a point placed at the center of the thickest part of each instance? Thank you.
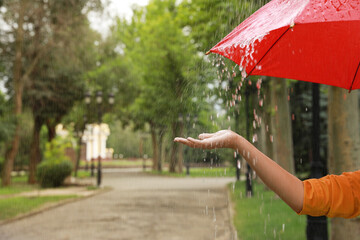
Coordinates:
(95, 137)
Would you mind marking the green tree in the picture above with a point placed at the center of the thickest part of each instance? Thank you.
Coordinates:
(58, 79)
(210, 21)
(19, 76)
(165, 60)
(38, 28)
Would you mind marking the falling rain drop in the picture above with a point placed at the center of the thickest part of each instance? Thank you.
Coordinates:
(261, 102)
(255, 138)
(243, 73)
(214, 214)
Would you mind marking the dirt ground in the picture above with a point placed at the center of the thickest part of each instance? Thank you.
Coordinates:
(140, 206)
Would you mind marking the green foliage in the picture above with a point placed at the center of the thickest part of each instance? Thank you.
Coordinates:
(164, 60)
(53, 173)
(56, 167)
(22, 158)
(1, 164)
(210, 21)
(7, 123)
(55, 150)
(125, 141)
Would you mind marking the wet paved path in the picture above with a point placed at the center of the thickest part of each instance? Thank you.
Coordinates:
(139, 207)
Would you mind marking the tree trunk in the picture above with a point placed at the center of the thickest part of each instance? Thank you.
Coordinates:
(281, 125)
(161, 150)
(180, 150)
(18, 88)
(35, 151)
(51, 127)
(344, 149)
(176, 158)
(154, 147)
(174, 149)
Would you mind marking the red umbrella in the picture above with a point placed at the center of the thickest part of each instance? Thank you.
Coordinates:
(309, 40)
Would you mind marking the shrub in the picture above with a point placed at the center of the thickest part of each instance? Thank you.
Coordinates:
(53, 173)
(55, 167)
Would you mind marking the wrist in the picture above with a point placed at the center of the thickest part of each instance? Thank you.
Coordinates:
(237, 143)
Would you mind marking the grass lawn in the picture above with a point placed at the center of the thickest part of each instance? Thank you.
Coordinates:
(11, 207)
(264, 216)
(202, 172)
(120, 163)
(83, 174)
(19, 184)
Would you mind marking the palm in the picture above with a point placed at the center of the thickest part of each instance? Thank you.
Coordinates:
(220, 139)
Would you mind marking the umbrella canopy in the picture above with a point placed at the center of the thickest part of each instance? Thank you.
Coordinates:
(310, 40)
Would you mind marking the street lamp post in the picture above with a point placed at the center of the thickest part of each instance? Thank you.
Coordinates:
(316, 228)
(249, 189)
(87, 102)
(99, 102)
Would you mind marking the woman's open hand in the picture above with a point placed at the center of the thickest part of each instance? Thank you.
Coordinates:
(220, 139)
(287, 186)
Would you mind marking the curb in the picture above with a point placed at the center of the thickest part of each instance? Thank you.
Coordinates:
(50, 206)
(231, 211)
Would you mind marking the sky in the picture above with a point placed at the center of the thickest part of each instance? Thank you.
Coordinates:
(122, 8)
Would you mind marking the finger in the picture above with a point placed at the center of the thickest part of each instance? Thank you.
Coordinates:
(178, 139)
(205, 135)
(184, 141)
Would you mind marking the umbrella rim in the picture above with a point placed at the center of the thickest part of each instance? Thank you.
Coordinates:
(212, 50)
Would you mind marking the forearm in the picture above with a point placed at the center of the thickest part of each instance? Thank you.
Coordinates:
(288, 187)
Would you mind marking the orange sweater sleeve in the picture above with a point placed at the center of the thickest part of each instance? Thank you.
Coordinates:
(333, 196)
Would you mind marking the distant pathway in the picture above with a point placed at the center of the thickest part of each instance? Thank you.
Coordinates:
(139, 207)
